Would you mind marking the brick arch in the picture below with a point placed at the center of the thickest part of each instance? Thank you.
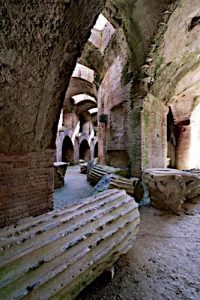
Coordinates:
(36, 74)
(83, 137)
(38, 58)
(79, 86)
(68, 150)
(84, 150)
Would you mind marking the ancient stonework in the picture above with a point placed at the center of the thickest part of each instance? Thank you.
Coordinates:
(55, 255)
(40, 44)
(107, 177)
(170, 188)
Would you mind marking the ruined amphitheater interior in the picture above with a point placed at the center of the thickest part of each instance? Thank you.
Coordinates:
(100, 149)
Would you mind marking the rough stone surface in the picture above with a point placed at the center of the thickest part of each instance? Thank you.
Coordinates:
(171, 74)
(170, 188)
(40, 44)
(59, 174)
(54, 256)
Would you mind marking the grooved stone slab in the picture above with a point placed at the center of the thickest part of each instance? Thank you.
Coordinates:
(55, 255)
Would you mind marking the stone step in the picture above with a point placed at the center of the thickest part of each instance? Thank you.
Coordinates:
(65, 250)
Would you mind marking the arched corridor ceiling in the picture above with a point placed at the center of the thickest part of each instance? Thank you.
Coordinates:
(84, 106)
(139, 18)
(82, 97)
(80, 86)
(83, 72)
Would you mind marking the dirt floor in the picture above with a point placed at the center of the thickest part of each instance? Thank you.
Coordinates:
(164, 263)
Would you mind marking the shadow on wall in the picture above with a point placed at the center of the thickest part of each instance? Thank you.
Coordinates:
(96, 150)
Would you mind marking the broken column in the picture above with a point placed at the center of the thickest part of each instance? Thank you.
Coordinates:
(56, 255)
(170, 188)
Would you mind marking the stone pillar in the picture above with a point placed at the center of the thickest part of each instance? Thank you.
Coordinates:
(76, 150)
(86, 128)
(183, 147)
(102, 143)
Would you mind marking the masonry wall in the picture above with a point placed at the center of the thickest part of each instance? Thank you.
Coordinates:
(26, 185)
(183, 147)
(112, 96)
(154, 133)
(41, 43)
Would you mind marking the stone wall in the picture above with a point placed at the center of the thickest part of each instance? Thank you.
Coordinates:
(40, 44)
(112, 101)
(154, 133)
(183, 147)
(171, 74)
(26, 185)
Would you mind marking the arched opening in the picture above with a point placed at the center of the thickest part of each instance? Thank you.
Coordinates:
(84, 150)
(68, 150)
(171, 140)
(96, 150)
(194, 153)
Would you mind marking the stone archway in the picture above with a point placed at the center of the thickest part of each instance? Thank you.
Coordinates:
(84, 150)
(38, 58)
(171, 140)
(68, 150)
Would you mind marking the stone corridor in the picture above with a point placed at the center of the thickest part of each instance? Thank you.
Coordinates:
(75, 188)
(113, 85)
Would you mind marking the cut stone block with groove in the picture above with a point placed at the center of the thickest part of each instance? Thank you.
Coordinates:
(55, 255)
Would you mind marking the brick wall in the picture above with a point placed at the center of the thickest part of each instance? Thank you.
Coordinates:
(26, 185)
(112, 96)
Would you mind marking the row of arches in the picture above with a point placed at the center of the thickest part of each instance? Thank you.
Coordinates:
(84, 150)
